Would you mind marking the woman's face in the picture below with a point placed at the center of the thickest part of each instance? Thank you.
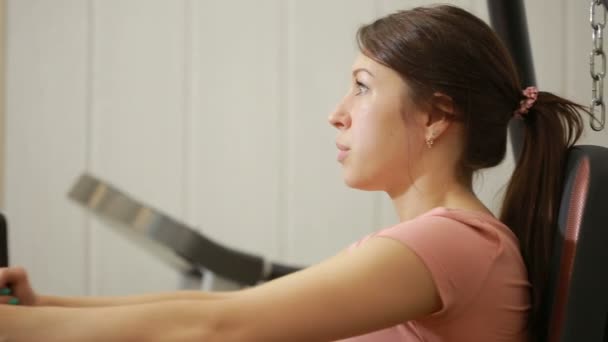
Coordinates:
(380, 130)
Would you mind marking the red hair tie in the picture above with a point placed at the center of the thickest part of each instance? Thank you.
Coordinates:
(531, 94)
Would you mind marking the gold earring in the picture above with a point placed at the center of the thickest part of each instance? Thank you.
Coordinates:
(430, 141)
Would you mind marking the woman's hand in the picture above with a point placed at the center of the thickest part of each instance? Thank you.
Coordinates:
(15, 287)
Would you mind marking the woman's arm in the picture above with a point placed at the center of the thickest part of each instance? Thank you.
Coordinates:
(378, 285)
(15, 281)
(171, 321)
(130, 300)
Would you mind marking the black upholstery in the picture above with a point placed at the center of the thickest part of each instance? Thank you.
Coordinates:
(3, 242)
(577, 299)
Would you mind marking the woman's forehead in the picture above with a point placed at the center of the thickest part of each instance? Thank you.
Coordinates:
(364, 62)
(375, 69)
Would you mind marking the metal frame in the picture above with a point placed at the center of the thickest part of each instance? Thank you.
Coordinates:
(182, 247)
(508, 18)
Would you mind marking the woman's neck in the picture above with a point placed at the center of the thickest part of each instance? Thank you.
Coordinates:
(424, 195)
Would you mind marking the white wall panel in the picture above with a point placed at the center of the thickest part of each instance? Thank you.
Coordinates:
(480, 9)
(324, 215)
(137, 128)
(238, 123)
(46, 141)
(576, 47)
(390, 6)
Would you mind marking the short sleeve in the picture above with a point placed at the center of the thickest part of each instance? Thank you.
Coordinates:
(458, 255)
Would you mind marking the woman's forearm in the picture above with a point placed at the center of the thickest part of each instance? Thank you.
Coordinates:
(130, 300)
(176, 321)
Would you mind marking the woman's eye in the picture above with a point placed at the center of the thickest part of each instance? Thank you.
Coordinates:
(361, 88)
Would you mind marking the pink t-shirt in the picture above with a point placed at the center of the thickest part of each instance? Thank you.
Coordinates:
(479, 272)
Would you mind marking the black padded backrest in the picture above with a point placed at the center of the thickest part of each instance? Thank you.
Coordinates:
(577, 297)
(3, 242)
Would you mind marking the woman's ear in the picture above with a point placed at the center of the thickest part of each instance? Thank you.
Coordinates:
(443, 104)
(440, 115)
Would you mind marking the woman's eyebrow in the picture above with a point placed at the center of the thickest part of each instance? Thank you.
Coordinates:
(362, 69)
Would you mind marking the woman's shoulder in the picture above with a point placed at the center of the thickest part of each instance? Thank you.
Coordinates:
(457, 227)
(455, 222)
(460, 248)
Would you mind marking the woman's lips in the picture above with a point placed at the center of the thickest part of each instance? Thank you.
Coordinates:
(343, 152)
(342, 155)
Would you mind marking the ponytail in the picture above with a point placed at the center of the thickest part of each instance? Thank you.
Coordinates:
(531, 204)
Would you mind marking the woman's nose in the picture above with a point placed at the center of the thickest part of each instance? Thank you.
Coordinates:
(339, 118)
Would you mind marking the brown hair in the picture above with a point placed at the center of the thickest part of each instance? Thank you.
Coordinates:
(448, 50)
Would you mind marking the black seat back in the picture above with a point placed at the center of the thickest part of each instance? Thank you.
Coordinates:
(577, 299)
(3, 242)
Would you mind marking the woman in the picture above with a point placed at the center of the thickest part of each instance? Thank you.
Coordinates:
(432, 93)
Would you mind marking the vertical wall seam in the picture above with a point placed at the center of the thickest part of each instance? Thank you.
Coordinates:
(3, 111)
(283, 114)
(376, 216)
(187, 111)
(564, 48)
(378, 8)
(89, 273)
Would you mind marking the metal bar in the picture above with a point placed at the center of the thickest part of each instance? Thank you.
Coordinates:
(173, 242)
(508, 18)
(279, 270)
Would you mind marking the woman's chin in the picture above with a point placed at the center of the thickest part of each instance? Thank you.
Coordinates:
(355, 181)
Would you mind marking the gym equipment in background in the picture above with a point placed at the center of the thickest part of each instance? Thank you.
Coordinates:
(203, 262)
(576, 305)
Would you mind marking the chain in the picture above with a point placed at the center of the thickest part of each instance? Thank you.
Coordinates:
(597, 74)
